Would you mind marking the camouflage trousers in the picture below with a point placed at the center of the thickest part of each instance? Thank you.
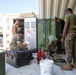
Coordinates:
(70, 46)
(16, 47)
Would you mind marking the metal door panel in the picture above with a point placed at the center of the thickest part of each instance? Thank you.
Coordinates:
(30, 31)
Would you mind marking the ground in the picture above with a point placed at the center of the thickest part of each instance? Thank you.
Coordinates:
(34, 69)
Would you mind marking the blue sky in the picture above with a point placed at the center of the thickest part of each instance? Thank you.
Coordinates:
(18, 6)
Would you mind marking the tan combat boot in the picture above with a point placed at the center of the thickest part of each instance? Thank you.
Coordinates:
(67, 66)
(74, 65)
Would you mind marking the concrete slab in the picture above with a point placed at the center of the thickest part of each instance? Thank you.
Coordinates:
(73, 72)
(34, 69)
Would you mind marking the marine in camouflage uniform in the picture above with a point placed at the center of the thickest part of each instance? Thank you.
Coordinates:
(16, 27)
(17, 39)
(70, 38)
(69, 33)
(52, 41)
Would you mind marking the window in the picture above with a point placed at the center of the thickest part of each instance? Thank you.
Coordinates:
(26, 25)
(33, 24)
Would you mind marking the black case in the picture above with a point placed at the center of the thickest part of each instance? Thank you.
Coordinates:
(18, 58)
(34, 50)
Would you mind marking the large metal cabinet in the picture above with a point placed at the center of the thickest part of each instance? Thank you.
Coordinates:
(30, 32)
(45, 27)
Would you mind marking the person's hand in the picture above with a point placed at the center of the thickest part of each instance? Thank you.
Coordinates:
(62, 39)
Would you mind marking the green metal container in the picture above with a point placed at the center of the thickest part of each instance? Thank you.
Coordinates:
(46, 27)
(2, 62)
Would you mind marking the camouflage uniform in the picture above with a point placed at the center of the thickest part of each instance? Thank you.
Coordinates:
(14, 43)
(70, 39)
(70, 45)
(50, 42)
(17, 27)
(51, 39)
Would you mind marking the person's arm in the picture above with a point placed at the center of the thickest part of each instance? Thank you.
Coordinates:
(19, 41)
(14, 31)
(65, 30)
(56, 50)
(21, 44)
(66, 26)
(56, 44)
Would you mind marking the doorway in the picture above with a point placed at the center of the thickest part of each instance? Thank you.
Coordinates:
(59, 30)
(21, 23)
